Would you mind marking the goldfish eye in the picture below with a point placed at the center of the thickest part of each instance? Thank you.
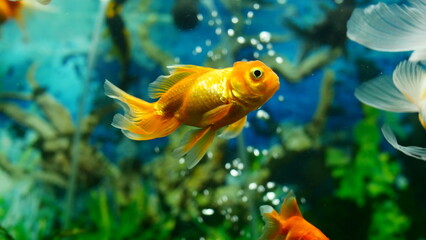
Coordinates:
(256, 73)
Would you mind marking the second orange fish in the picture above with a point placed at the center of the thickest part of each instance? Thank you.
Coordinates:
(289, 224)
(206, 98)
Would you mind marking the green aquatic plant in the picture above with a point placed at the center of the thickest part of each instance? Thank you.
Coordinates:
(369, 177)
(4, 235)
(38, 219)
(111, 217)
(388, 221)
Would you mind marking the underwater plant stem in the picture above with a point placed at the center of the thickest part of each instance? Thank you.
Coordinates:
(76, 141)
(242, 152)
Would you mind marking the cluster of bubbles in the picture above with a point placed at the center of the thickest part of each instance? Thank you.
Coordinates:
(230, 31)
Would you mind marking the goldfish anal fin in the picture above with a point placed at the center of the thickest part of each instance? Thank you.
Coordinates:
(272, 228)
(233, 129)
(195, 145)
(215, 114)
(289, 207)
(177, 73)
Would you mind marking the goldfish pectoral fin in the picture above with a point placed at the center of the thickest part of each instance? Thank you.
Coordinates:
(289, 207)
(195, 145)
(382, 27)
(140, 120)
(234, 129)
(382, 93)
(272, 227)
(177, 73)
(409, 78)
(412, 151)
(215, 114)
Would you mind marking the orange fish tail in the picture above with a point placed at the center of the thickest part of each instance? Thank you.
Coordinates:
(140, 121)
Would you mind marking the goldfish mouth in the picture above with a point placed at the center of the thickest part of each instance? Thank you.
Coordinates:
(274, 85)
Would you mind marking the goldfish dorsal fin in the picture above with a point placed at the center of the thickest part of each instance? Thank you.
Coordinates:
(290, 208)
(177, 73)
(272, 224)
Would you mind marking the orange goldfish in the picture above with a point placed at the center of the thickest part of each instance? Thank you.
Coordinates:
(206, 98)
(9, 9)
(289, 224)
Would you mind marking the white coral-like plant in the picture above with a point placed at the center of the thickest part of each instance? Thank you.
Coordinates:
(395, 28)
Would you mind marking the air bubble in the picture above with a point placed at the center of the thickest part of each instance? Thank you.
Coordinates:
(265, 36)
(250, 14)
(234, 173)
(252, 186)
(241, 40)
(200, 17)
(231, 32)
(207, 211)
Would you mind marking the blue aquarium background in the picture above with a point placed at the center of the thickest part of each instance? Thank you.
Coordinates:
(66, 173)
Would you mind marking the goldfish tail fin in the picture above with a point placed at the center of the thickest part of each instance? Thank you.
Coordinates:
(195, 145)
(412, 151)
(140, 120)
(272, 224)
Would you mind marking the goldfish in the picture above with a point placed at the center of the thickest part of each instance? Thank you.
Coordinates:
(9, 10)
(289, 224)
(212, 100)
(404, 92)
(13, 10)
